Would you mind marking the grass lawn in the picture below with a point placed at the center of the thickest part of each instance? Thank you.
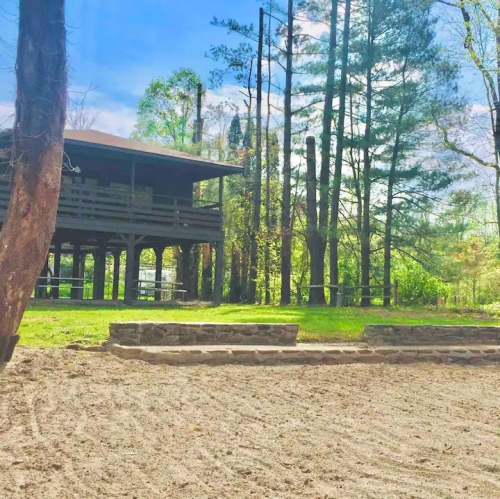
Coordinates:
(56, 325)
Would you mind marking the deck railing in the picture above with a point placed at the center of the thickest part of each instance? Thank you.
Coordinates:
(102, 204)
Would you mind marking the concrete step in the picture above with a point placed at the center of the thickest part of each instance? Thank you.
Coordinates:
(308, 353)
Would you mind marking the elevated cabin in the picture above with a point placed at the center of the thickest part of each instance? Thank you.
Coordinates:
(121, 195)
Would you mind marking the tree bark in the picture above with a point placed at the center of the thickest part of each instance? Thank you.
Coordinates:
(316, 294)
(366, 229)
(159, 271)
(186, 267)
(286, 228)
(235, 284)
(337, 175)
(267, 250)
(326, 147)
(206, 276)
(389, 215)
(390, 198)
(257, 182)
(37, 160)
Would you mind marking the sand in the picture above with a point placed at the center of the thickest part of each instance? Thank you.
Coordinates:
(84, 425)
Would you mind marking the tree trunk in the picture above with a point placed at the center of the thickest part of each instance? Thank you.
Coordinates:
(257, 182)
(37, 160)
(235, 284)
(366, 230)
(267, 255)
(286, 228)
(390, 200)
(206, 276)
(389, 215)
(194, 272)
(326, 147)
(186, 270)
(337, 175)
(316, 294)
(244, 274)
(497, 200)
(159, 271)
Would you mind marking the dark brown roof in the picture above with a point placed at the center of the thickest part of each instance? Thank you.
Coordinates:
(149, 152)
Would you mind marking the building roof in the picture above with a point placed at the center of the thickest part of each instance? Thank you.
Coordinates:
(151, 153)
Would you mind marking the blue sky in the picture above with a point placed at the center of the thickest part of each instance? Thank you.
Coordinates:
(121, 45)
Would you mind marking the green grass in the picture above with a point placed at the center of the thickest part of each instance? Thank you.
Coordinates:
(56, 325)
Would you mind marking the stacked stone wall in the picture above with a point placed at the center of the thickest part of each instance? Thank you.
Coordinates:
(417, 334)
(198, 333)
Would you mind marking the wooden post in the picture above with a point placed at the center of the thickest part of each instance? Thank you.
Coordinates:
(81, 275)
(42, 290)
(99, 272)
(75, 274)
(42, 281)
(129, 269)
(57, 271)
(116, 273)
(219, 272)
(340, 299)
(158, 271)
(396, 296)
(135, 278)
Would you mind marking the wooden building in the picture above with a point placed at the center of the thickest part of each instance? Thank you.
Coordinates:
(121, 195)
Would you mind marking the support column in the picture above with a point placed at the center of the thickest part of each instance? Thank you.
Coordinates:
(42, 291)
(99, 272)
(81, 275)
(75, 274)
(219, 272)
(57, 271)
(129, 269)
(158, 271)
(137, 267)
(116, 273)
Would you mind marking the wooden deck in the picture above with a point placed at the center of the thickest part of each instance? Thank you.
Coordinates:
(111, 210)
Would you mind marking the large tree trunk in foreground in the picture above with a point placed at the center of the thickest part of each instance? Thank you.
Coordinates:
(37, 160)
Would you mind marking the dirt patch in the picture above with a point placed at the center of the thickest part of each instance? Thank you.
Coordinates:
(81, 424)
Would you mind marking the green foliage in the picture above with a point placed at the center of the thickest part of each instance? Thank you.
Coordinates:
(417, 286)
(167, 111)
(235, 136)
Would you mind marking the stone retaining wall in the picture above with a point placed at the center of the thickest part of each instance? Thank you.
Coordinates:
(306, 354)
(198, 333)
(417, 334)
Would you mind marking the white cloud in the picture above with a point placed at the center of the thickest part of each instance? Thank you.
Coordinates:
(114, 119)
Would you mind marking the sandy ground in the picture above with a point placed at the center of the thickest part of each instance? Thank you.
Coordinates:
(85, 425)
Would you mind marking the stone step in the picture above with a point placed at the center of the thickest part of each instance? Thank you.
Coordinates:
(307, 353)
